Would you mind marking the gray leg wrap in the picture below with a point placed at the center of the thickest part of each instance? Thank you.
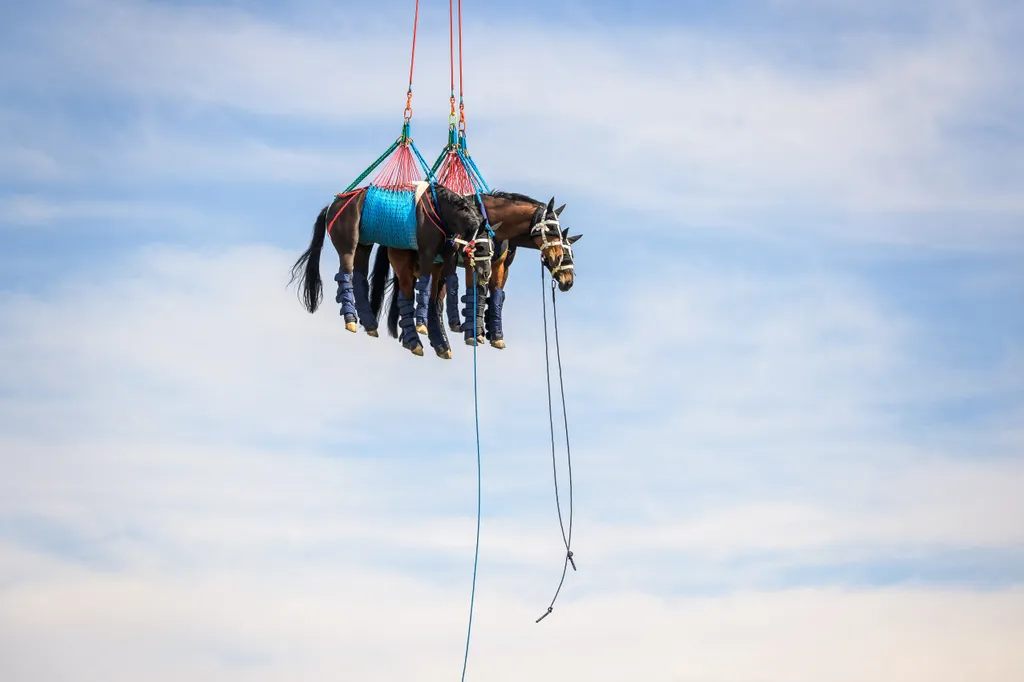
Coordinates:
(410, 339)
(345, 296)
(362, 295)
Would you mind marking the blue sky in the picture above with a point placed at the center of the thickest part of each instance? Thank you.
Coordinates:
(794, 352)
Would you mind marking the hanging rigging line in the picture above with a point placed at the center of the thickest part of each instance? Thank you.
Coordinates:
(412, 63)
(462, 114)
(566, 536)
(476, 551)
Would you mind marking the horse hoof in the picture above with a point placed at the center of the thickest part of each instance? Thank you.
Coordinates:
(418, 350)
(443, 353)
(421, 329)
(499, 344)
(470, 341)
(372, 332)
(455, 327)
(351, 326)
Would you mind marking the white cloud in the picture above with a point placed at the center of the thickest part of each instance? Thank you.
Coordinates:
(790, 422)
(705, 128)
(201, 480)
(379, 626)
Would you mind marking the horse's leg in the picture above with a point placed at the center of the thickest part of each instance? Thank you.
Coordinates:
(468, 313)
(422, 296)
(403, 262)
(495, 300)
(361, 288)
(435, 330)
(345, 237)
(451, 285)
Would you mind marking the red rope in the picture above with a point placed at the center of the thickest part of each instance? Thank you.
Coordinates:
(412, 63)
(451, 44)
(428, 208)
(460, 52)
(337, 215)
(454, 175)
(399, 170)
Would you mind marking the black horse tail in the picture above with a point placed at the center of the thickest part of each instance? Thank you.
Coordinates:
(311, 286)
(379, 280)
(393, 309)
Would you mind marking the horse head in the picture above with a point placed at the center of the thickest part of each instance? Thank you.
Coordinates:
(546, 233)
(564, 272)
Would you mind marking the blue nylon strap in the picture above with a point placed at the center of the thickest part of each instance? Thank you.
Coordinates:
(476, 189)
(431, 179)
(426, 169)
(479, 492)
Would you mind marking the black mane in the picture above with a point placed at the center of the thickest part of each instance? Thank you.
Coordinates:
(515, 196)
(464, 203)
(463, 207)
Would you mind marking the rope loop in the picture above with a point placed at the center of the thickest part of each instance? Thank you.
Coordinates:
(566, 534)
(407, 114)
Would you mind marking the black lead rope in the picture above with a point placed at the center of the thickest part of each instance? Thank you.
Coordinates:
(566, 536)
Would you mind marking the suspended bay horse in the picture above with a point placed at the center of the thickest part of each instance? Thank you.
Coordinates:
(564, 274)
(517, 220)
(421, 217)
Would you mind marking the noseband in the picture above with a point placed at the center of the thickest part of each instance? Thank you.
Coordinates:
(544, 229)
(477, 248)
(566, 263)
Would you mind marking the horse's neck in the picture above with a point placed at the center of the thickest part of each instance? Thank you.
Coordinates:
(516, 218)
(454, 219)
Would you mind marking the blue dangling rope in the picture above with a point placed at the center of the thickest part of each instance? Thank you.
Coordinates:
(476, 552)
(476, 189)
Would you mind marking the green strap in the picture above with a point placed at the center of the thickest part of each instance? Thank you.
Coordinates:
(437, 164)
(373, 165)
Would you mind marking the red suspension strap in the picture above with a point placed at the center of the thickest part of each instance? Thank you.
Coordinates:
(462, 106)
(451, 61)
(412, 64)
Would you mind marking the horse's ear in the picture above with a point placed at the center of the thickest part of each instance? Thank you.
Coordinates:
(558, 211)
(573, 238)
(495, 226)
(565, 233)
(551, 205)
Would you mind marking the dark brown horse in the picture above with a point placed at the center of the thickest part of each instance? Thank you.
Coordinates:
(564, 274)
(544, 234)
(517, 221)
(442, 219)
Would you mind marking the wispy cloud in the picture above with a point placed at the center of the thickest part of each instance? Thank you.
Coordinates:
(682, 122)
(797, 442)
(139, 445)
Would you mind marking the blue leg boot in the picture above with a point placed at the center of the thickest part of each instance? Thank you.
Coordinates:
(494, 331)
(347, 299)
(469, 314)
(436, 333)
(361, 290)
(451, 285)
(410, 339)
(422, 298)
